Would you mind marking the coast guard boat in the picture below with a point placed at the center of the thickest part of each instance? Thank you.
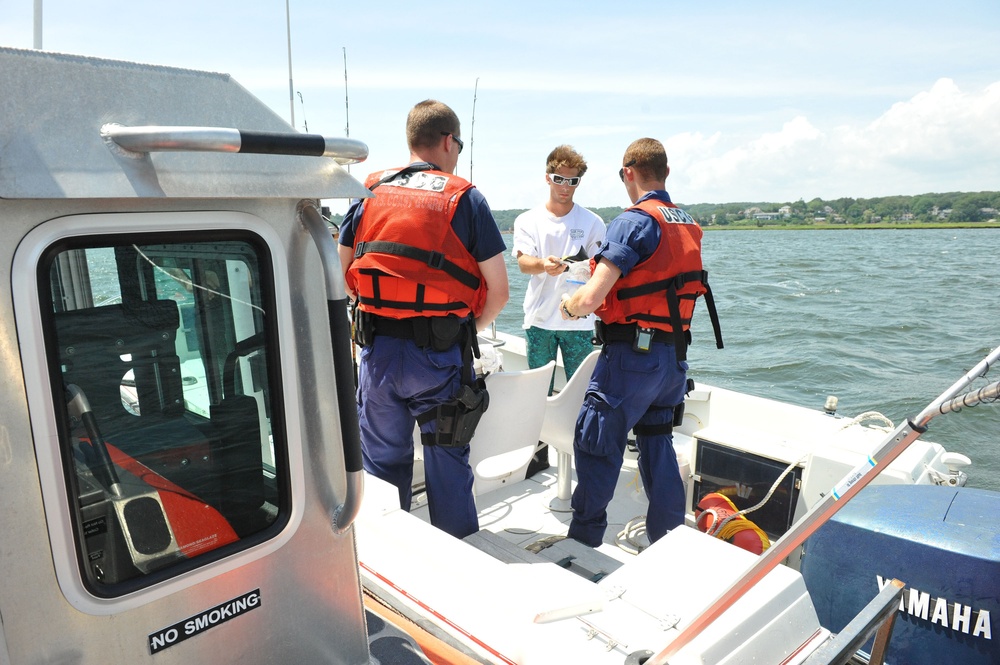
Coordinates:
(180, 464)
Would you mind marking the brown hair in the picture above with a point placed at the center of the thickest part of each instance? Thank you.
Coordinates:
(428, 121)
(565, 157)
(648, 157)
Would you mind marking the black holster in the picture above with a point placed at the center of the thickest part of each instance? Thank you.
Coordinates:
(457, 420)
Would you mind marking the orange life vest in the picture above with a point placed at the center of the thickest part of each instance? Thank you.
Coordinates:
(408, 261)
(671, 274)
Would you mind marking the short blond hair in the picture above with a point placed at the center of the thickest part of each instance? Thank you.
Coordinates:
(428, 121)
(648, 157)
(564, 156)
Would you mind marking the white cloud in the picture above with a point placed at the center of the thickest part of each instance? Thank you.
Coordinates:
(939, 126)
(759, 169)
(942, 139)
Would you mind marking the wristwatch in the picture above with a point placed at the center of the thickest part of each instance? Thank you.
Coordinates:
(565, 309)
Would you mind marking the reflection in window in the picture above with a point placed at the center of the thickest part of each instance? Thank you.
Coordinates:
(164, 367)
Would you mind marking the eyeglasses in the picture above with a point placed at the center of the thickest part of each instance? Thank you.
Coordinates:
(461, 144)
(563, 180)
(621, 171)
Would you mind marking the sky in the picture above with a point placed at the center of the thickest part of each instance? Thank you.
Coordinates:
(754, 101)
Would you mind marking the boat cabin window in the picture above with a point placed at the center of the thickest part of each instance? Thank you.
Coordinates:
(162, 356)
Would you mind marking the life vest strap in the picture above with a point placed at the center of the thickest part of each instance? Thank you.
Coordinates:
(653, 318)
(674, 307)
(410, 307)
(435, 260)
(418, 305)
(714, 315)
(413, 168)
(676, 282)
(670, 286)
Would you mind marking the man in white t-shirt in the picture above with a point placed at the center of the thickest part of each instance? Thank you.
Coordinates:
(543, 238)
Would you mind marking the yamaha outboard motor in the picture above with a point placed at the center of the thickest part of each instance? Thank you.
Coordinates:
(942, 542)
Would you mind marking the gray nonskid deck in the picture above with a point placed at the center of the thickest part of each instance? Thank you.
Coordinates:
(566, 553)
(518, 525)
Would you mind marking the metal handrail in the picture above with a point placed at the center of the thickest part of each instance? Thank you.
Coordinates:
(877, 618)
(890, 448)
(156, 138)
(340, 337)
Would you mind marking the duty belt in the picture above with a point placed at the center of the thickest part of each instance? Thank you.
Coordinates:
(401, 328)
(438, 332)
(625, 332)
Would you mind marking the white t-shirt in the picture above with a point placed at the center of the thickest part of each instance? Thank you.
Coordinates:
(539, 233)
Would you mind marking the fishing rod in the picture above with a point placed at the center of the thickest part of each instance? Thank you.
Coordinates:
(38, 26)
(472, 149)
(347, 109)
(891, 447)
(305, 123)
(291, 88)
(472, 132)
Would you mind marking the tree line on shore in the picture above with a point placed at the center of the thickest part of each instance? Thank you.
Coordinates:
(951, 207)
(947, 208)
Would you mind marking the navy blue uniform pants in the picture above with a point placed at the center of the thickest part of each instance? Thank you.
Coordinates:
(626, 389)
(397, 381)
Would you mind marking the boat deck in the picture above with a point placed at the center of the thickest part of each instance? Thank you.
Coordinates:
(528, 514)
(574, 604)
(607, 604)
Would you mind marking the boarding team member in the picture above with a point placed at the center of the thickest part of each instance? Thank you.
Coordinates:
(424, 262)
(643, 288)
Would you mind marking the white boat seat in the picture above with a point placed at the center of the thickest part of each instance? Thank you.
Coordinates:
(561, 411)
(508, 433)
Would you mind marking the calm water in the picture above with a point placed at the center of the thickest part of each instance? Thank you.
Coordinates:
(885, 320)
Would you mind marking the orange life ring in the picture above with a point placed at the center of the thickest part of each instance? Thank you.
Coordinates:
(712, 518)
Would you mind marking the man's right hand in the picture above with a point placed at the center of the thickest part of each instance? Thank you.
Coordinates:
(553, 265)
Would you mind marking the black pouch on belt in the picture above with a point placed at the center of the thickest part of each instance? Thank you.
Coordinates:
(363, 327)
(445, 332)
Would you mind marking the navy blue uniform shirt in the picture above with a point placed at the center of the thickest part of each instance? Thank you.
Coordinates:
(632, 236)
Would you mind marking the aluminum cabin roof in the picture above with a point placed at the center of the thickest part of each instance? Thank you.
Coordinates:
(53, 106)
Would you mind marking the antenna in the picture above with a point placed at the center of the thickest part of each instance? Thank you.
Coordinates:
(305, 123)
(38, 25)
(472, 132)
(291, 88)
(347, 109)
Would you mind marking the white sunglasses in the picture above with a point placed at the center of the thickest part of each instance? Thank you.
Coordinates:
(563, 180)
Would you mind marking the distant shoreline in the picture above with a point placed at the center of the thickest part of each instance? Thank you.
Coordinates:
(852, 227)
(839, 227)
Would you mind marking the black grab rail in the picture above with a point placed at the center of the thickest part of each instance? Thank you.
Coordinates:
(340, 337)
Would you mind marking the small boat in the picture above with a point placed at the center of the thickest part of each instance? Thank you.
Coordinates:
(776, 459)
(180, 461)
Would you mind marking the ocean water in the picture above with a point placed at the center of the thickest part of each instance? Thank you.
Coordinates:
(886, 320)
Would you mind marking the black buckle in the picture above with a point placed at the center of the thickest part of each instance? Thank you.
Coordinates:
(435, 260)
(359, 250)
